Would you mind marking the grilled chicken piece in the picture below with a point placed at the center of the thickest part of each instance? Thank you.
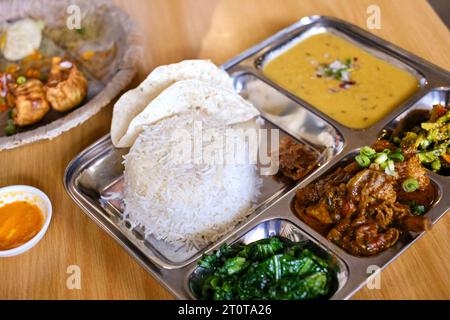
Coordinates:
(30, 104)
(67, 86)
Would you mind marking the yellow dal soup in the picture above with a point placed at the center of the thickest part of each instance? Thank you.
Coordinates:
(369, 90)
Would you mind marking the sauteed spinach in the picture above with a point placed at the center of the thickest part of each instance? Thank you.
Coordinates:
(272, 268)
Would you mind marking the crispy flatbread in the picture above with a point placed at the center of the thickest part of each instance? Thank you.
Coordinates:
(182, 96)
(136, 100)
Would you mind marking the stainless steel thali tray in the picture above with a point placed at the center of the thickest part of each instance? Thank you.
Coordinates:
(93, 178)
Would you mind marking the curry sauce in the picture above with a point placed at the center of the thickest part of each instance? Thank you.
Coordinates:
(372, 87)
(20, 221)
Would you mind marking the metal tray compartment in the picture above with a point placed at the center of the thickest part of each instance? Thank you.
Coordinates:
(279, 47)
(289, 115)
(100, 182)
(287, 229)
(417, 113)
(430, 76)
(436, 211)
(359, 268)
(94, 174)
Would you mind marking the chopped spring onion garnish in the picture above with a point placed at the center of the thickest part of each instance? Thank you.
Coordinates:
(397, 157)
(410, 185)
(384, 159)
(390, 168)
(381, 157)
(368, 151)
(362, 160)
(21, 80)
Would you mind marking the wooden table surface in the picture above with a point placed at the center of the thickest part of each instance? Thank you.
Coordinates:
(174, 30)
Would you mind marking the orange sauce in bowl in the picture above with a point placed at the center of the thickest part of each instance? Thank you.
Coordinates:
(20, 221)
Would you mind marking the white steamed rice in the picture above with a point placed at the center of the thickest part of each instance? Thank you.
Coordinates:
(184, 204)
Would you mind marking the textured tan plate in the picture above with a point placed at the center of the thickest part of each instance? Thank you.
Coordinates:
(116, 39)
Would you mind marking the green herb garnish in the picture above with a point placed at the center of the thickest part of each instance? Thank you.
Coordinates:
(390, 168)
(368, 151)
(381, 157)
(436, 165)
(397, 157)
(384, 159)
(339, 70)
(21, 80)
(363, 161)
(410, 185)
(416, 209)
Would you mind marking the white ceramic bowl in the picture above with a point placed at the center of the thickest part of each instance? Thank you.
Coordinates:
(35, 196)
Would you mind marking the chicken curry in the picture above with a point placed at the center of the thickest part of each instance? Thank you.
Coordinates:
(367, 205)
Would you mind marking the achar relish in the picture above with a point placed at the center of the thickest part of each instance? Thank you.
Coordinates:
(20, 221)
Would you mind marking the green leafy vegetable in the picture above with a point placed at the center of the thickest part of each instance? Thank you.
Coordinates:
(273, 268)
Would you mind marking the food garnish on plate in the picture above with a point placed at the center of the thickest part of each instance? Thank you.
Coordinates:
(21, 38)
(32, 81)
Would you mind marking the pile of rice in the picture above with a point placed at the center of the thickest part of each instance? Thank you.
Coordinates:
(185, 204)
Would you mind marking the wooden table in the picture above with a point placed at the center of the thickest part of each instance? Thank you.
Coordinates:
(174, 30)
